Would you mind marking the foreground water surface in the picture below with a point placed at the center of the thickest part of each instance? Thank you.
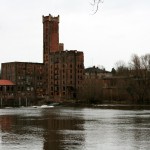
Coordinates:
(64, 128)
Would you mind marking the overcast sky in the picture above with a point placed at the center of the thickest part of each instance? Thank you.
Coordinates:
(119, 29)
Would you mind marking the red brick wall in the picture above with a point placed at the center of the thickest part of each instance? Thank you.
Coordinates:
(50, 36)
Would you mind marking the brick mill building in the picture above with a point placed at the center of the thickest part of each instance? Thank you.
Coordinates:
(65, 68)
(58, 78)
(29, 79)
(65, 74)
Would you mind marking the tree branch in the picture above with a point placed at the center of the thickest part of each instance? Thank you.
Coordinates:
(95, 5)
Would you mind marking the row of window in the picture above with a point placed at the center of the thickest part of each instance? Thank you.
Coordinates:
(70, 77)
(57, 93)
(6, 88)
(66, 65)
(64, 82)
(56, 71)
(29, 78)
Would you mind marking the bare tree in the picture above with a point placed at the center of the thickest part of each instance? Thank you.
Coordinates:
(95, 4)
(145, 61)
(135, 78)
(91, 91)
(139, 85)
(135, 63)
(121, 68)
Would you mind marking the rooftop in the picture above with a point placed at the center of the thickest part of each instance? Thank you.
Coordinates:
(6, 82)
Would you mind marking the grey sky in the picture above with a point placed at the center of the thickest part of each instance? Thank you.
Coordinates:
(119, 29)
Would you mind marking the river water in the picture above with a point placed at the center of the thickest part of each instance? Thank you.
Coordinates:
(69, 128)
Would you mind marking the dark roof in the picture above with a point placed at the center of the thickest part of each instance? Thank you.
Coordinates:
(95, 70)
(6, 82)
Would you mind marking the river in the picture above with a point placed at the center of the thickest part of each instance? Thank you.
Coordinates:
(71, 128)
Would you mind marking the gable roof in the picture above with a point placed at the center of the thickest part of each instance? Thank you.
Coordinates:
(6, 82)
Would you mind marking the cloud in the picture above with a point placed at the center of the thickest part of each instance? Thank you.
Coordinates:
(118, 29)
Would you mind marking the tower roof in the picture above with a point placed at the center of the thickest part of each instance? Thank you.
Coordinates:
(50, 18)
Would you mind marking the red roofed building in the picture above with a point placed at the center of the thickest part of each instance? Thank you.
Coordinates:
(7, 89)
(29, 79)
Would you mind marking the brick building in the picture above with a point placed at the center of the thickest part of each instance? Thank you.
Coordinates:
(57, 78)
(65, 68)
(66, 72)
(29, 79)
(96, 73)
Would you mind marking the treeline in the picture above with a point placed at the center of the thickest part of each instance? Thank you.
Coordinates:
(129, 84)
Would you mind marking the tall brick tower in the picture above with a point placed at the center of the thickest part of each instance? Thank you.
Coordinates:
(50, 36)
(63, 69)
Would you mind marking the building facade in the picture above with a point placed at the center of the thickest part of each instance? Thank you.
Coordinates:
(59, 76)
(65, 74)
(96, 73)
(29, 79)
(65, 69)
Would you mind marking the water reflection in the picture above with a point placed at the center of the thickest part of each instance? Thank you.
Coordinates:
(62, 131)
(74, 129)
